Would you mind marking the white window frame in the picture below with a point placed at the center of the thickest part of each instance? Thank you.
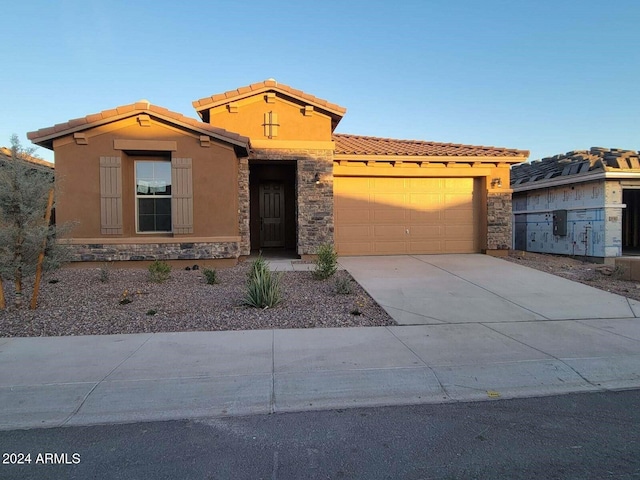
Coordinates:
(137, 196)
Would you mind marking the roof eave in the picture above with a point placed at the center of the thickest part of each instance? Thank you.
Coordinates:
(207, 103)
(577, 178)
(432, 158)
(47, 140)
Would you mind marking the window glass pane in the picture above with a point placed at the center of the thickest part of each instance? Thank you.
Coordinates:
(146, 206)
(163, 206)
(153, 178)
(163, 171)
(144, 170)
(146, 223)
(153, 183)
(163, 223)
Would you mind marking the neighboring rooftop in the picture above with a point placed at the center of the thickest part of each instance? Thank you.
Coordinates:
(45, 136)
(361, 145)
(576, 162)
(5, 155)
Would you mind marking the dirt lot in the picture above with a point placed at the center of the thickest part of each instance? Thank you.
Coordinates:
(592, 274)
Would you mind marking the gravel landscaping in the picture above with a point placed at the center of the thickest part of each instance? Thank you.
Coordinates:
(74, 301)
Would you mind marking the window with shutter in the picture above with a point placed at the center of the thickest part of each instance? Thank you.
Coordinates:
(154, 186)
(182, 197)
(110, 195)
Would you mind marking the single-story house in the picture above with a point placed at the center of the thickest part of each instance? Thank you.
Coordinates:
(584, 203)
(262, 168)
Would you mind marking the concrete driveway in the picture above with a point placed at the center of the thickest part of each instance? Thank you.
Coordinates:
(437, 289)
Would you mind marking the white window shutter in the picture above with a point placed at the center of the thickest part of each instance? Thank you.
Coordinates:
(110, 196)
(182, 195)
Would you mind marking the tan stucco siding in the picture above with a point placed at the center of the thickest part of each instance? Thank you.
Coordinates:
(78, 171)
(249, 113)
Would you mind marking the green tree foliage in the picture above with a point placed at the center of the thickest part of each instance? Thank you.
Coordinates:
(326, 262)
(24, 190)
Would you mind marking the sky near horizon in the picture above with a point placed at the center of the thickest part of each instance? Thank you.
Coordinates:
(548, 76)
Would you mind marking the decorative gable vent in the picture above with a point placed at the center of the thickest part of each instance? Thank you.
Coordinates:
(271, 124)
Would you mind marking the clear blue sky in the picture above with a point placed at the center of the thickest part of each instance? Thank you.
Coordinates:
(547, 76)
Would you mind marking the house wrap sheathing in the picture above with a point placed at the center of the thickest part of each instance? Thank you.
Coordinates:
(584, 203)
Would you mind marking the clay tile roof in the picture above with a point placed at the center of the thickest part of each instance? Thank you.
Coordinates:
(576, 162)
(361, 145)
(242, 92)
(5, 154)
(45, 136)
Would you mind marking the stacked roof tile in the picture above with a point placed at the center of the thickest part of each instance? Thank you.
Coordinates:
(220, 98)
(42, 136)
(576, 162)
(361, 145)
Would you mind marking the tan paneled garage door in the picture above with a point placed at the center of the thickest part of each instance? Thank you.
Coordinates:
(385, 216)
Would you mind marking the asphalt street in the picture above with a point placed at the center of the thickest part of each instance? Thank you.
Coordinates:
(576, 436)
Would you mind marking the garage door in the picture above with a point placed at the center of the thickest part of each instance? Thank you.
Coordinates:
(386, 216)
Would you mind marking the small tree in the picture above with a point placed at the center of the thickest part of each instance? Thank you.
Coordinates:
(25, 233)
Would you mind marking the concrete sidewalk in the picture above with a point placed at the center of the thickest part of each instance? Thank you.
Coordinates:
(57, 381)
(123, 378)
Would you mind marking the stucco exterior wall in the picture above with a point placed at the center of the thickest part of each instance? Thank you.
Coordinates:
(215, 173)
(247, 118)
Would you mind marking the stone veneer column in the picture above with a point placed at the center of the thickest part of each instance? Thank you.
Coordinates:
(315, 201)
(244, 206)
(499, 209)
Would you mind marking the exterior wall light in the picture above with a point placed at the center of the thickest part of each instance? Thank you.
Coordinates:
(316, 178)
(496, 183)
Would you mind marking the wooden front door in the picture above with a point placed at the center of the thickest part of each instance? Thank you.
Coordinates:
(271, 214)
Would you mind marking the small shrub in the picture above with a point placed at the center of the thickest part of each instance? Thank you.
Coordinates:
(258, 265)
(263, 286)
(151, 312)
(326, 263)
(104, 273)
(159, 271)
(358, 307)
(343, 286)
(125, 299)
(210, 275)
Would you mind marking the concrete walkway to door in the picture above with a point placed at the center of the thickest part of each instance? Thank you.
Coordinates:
(437, 289)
